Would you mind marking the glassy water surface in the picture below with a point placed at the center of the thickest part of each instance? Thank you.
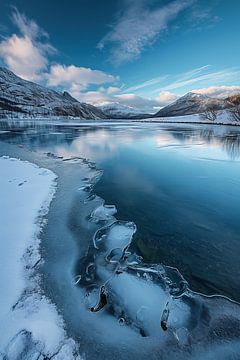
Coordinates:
(180, 185)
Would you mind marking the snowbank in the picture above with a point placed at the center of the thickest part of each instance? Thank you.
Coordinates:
(30, 325)
(223, 118)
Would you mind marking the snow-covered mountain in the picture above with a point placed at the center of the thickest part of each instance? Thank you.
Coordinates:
(234, 99)
(192, 103)
(118, 111)
(22, 96)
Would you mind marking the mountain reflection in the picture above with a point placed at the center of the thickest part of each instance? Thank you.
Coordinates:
(226, 138)
(70, 139)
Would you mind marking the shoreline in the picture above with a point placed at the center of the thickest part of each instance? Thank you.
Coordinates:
(188, 122)
(184, 119)
(79, 121)
(31, 321)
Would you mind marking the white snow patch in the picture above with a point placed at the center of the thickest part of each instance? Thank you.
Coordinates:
(30, 324)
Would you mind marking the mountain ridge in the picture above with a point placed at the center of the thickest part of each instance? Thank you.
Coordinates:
(19, 97)
(193, 103)
(26, 97)
(115, 110)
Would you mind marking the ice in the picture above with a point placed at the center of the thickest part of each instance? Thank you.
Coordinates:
(117, 235)
(153, 301)
(103, 213)
(30, 325)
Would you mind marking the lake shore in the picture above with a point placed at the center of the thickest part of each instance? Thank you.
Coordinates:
(32, 324)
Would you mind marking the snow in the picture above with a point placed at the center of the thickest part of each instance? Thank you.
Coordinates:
(115, 106)
(31, 323)
(22, 98)
(115, 109)
(192, 103)
(223, 118)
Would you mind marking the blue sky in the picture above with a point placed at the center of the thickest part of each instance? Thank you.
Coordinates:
(140, 53)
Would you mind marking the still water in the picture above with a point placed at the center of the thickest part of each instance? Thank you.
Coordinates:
(180, 185)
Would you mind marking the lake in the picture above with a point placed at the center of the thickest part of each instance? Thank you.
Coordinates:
(180, 185)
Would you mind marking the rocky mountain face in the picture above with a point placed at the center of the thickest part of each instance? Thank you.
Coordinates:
(27, 98)
(234, 100)
(193, 103)
(119, 111)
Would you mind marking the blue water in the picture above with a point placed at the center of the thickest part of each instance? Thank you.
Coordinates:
(180, 184)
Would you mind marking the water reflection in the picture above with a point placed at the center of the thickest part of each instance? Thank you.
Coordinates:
(220, 136)
(180, 184)
(100, 138)
(231, 145)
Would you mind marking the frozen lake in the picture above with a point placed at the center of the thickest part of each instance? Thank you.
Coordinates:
(180, 185)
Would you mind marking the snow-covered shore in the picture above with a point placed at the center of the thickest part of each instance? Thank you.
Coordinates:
(223, 118)
(31, 327)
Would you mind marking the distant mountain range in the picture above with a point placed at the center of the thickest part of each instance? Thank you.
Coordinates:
(119, 111)
(25, 97)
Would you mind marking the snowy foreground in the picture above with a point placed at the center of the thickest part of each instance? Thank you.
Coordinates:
(31, 327)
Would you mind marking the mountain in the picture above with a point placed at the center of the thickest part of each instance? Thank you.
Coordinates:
(192, 103)
(234, 100)
(22, 96)
(119, 111)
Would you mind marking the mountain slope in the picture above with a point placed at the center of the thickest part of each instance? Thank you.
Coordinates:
(119, 111)
(22, 96)
(234, 100)
(192, 103)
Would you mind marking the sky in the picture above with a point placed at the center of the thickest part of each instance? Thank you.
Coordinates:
(139, 53)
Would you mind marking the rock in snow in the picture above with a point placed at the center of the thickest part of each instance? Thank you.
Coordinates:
(33, 329)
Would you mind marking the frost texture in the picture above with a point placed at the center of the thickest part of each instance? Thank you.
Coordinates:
(153, 300)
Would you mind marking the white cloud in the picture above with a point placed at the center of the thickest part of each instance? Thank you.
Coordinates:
(203, 74)
(219, 91)
(159, 81)
(138, 26)
(200, 16)
(187, 81)
(141, 103)
(147, 84)
(113, 90)
(77, 77)
(96, 98)
(26, 54)
(135, 101)
(27, 26)
(166, 97)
